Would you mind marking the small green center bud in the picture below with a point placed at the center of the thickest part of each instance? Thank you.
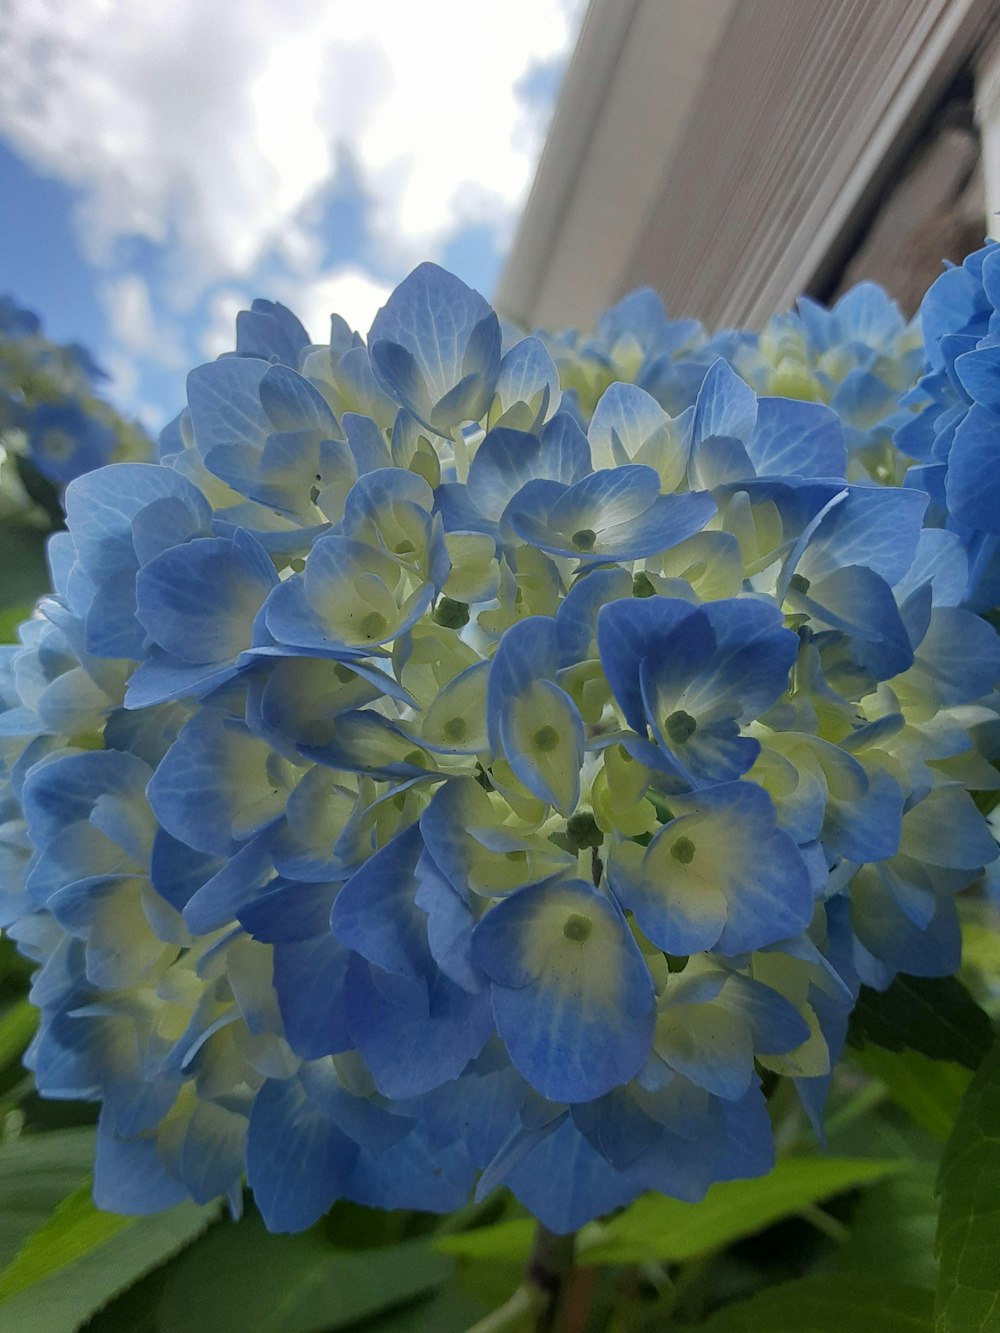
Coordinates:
(584, 539)
(451, 614)
(577, 927)
(582, 831)
(516, 856)
(642, 586)
(404, 547)
(454, 730)
(415, 757)
(546, 739)
(344, 673)
(374, 625)
(680, 726)
(800, 583)
(683, 851)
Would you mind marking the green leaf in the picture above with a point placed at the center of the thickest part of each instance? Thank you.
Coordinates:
(92, 1258)
(22, 559)
(929, 1091)
(968, 1237)
(38, 1171)
(892, 1230)
(830, 1304)
(448, 1311)
(502, 1241)
(933, 1015)
(74, 1229)
(10, 618)
(17, 1026)
(241, 1278)
(659, 1228)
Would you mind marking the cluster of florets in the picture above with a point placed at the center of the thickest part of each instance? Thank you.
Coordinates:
(53, 424)
(954, 434)
(425, 775)
(861, 357)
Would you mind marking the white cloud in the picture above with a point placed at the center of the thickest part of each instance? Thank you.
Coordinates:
(220, 333)
(347, 291)
(209, 127)
(140, 334)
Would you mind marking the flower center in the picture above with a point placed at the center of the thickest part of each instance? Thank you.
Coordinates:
(374, 625)
(680, 726)
(455, 729)
(546, 739)
(577, 927)
(683, 851)
(584, 539)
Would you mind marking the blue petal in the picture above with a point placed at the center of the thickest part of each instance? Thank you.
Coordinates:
(432, 334)
(720, 876)
(375, 913)
(629, 425)
(409, 1052)
(566, 1183)
(213, 1152)
(172, 605)
(527, 386)
(298, 1160)
(508, 459)
(860, 604)
(226, 412)
(875, 526)
(979, 375)
(795, 439)
(217, 785)
(549, 768)
(572, 997)
(292, 403)
(270, 331)
(958, 660)
(576, 619)
(973, 486)
(310, 979)
(288, 913)
(129, 1175)
(636, 629)
(726, 405)
(527, 652)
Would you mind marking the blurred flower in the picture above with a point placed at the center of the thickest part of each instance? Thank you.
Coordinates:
(54, 426)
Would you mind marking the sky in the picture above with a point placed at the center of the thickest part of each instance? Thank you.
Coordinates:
(161, 164)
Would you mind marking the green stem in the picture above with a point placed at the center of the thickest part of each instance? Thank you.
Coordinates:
(549, 1270)
(543, 1291)
(823, 1222)
(524, 1301)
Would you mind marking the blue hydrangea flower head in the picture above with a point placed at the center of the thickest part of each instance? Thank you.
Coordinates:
(54, 426)
(952, 437)
(464, 761)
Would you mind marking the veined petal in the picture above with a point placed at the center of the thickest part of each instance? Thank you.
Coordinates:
(572, 997)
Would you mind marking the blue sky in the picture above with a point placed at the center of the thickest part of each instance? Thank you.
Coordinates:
(162, 165)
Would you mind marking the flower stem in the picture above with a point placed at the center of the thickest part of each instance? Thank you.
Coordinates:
(549, 1270)
(543, 1291)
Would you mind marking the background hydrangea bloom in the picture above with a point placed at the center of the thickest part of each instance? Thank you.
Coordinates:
(470, 758)
(50, 410)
